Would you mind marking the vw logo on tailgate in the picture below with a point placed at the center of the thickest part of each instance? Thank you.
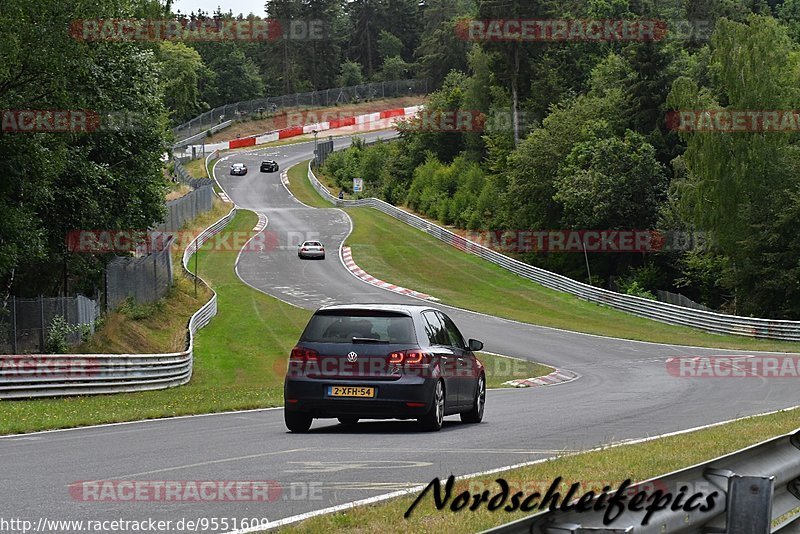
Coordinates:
(351, 357)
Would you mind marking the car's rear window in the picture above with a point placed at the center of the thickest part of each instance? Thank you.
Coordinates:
(342, 328)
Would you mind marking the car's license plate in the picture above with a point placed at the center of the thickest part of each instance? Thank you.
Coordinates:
(350, 391)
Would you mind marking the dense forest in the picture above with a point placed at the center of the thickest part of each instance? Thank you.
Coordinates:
(578, 135)
(593, 142)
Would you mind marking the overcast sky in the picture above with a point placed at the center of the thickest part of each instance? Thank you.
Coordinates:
(244, 7)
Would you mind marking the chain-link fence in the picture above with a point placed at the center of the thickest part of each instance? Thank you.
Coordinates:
(328, 97)
(186, 208)
(680, 300)
(184, 177)
(25, 323)
(145, 279)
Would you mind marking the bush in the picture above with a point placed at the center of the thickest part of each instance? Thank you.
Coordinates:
(139, 312)
(57, 333)
(638, 291)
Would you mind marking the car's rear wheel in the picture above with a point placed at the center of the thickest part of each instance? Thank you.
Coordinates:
(348, 421)
(475, 414)
(297, 421)
(432, 421)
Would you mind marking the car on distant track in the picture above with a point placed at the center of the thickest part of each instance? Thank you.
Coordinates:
(311, 249)
(383, 361)
(269, 166)
(238, 169)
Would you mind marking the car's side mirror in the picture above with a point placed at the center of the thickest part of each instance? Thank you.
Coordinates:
(475, 345)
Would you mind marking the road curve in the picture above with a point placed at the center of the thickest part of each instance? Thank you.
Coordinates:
(624, 392)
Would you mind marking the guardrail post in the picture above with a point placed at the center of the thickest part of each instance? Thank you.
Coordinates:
(748, 502)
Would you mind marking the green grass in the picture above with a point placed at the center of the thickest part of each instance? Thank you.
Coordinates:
(402, 255)
(301, 187)
(500, 369)
(592, 469)
(240, 359)
(195, 168)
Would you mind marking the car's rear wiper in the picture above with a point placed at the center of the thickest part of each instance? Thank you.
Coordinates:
(368, 340)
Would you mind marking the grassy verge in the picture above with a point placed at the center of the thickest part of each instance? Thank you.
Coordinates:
(396, 252)
(239, 362)
(593, 469)
(301, 187)
(500, 369)
(400, 254)
(195, 168)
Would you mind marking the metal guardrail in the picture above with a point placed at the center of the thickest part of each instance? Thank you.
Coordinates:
(50, 375)
(709, 321)
(214, 129)
(756, 487)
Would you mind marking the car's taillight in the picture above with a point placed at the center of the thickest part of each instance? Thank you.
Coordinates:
(411, 358)
(302, 354)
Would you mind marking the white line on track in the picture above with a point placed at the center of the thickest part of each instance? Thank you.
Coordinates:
(416, 489)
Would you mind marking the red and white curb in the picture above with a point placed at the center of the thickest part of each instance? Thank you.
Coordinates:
(262, 223)
(559, 376)
(285, 178)
(347, 258)
(224, 197)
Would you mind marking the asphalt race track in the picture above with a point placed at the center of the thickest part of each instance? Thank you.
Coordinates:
(624, 392)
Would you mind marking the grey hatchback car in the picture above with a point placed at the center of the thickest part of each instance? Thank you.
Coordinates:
(382, 361)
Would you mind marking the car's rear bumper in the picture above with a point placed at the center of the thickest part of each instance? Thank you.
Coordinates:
(391, 398)
(311, 254)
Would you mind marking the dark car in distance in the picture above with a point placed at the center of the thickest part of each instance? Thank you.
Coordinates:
(382, 361)
(269, 166)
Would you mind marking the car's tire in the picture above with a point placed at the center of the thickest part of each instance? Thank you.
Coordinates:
(432, 421)
(475, 414)
(348, 421)
(322, 257)
(297, 422)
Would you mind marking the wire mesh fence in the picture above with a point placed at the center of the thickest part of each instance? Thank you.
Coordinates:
(184, 209)
(183, 176)
(264, 107)
(25, 323)
(145, 279)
